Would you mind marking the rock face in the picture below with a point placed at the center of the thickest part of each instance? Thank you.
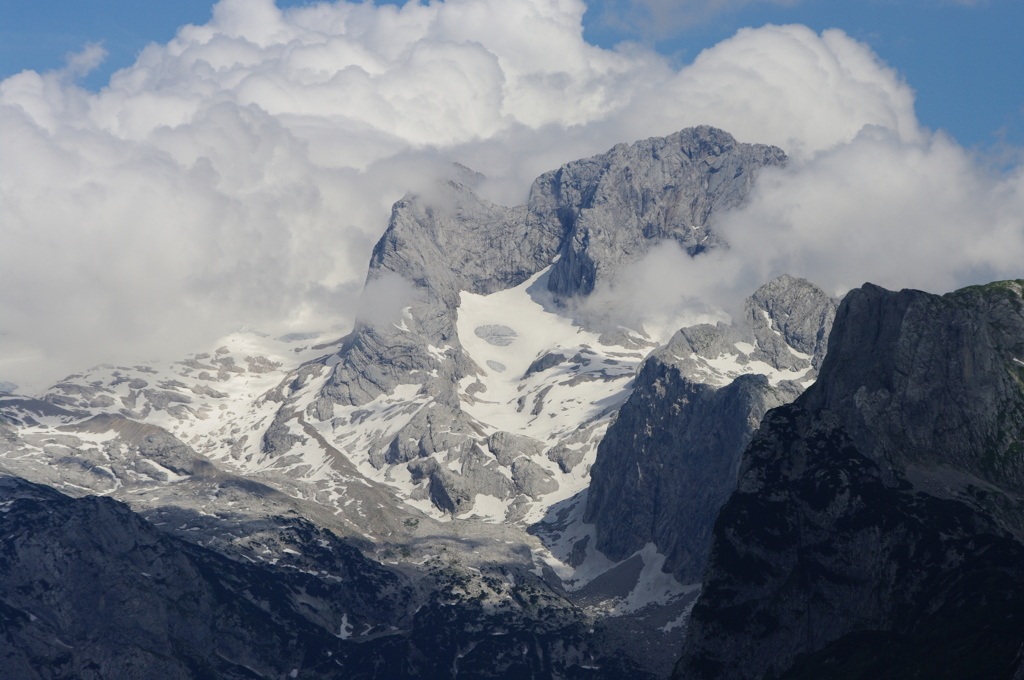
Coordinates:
(875, 530)
(440, 245)
(585, 221)
(595, 214)
(669, 462)
(615, 206)
(922, 382)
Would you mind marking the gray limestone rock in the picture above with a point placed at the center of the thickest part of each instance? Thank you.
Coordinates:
(566, 457)
(441, 245)
(507, 446)
(208, 391)
(615, 206)
(164, 399)
(320, 409)
(624, 337)
(790, 314)
(435, 428)
(102, 401)
(446, 491)
(501, 336)
(167, 450)
(480, 473)
(278, 439)
(532, 479)
(670, 460)
(549, 360)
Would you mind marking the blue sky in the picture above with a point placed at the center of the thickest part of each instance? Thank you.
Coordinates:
(965, 59)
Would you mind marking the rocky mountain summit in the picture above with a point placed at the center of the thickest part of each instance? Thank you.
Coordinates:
(876, 527)
(468, 266)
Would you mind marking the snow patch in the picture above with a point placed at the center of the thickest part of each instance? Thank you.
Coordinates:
(744, 347)
(723, 369)
(654, 585)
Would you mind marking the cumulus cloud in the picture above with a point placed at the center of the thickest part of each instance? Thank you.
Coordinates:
(663, 291)
(785, 85)
(240, 174)
(924, 215)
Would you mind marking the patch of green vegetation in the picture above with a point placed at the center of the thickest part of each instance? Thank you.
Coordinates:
(1012, 290)
(1009, 286)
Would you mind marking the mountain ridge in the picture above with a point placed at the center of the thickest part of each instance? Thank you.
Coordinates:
(873, 532)
(523, 468)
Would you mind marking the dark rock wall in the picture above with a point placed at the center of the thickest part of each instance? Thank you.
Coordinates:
(872, 533)
(669, 462)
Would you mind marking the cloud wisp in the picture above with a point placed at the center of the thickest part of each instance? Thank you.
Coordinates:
(240, 174)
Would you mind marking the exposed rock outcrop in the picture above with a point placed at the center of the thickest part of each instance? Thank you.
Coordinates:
(875, 531)
(669, 462)
(615, 206)
(590, 218)
(595, 214)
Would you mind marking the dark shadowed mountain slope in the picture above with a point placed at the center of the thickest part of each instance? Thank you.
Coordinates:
(875, 529)
(89, 589)
(669, 462)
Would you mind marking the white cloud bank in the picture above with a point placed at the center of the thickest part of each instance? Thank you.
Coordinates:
(241, 173)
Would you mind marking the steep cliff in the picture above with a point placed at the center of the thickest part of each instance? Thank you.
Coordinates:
(875, 531)
(669, 462)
